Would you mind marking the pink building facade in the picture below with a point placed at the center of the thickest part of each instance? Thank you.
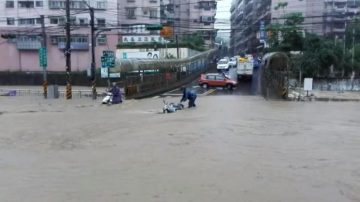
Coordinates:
(20, 27)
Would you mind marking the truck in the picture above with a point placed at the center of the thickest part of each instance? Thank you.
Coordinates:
(245, 66)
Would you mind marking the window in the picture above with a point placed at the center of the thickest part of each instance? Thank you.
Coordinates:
(139, 39)
(83, 21)
(101, 22)
(101, 5)
(26, 4)
(59, 20)
(38, 20)
(153, 13)
(154, 32)
(39, 3)
(130, 1)
(27, 21)
(102, 40)
(153, 1)
(54, 40)
(10, 21)
(54, 20)
(145, 11)
(130, 13)
(220, 78)
(9, 4)
(146, 38)
(72, 20)
(210, 77)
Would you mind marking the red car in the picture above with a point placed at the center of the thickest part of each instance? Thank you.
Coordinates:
(216, 80)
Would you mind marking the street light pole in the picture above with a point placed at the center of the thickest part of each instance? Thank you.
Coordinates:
(93, 44)
(68, 52)
(44, 45)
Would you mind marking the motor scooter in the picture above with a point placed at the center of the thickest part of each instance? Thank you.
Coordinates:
(171, 107)
(108, 98)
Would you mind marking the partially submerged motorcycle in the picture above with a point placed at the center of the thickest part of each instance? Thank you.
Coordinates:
(172, 107)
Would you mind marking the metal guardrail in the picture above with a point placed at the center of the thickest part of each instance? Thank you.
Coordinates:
(35, 92)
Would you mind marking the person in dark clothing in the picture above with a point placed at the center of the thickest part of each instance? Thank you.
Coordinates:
(116, 93)
(188, 95)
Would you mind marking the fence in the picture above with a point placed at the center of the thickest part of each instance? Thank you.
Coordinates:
(148, 77)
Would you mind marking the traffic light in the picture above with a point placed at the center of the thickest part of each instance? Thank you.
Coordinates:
(166, 32)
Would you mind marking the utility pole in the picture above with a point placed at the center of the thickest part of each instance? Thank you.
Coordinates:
(353, 48)
(93, 44)
(44, 45)
(177, 47)
(68, 52)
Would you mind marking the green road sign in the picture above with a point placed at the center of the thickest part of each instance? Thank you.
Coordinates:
(43, 57)
(108, 59)
(154, 27)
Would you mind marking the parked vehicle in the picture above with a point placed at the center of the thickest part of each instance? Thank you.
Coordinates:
(216, 80)
(223, 64)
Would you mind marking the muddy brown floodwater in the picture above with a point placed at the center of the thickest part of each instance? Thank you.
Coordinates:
(228, 149)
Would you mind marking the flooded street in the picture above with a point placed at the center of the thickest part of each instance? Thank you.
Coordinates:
(230, 148)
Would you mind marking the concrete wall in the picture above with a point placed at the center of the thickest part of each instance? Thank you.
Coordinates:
(337, 85)
(183, 52)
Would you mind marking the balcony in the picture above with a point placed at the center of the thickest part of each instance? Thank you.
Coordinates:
(339, 30)
(28, 45)
(74, 46)
(353, 10)
(336, 19)
(30, 42)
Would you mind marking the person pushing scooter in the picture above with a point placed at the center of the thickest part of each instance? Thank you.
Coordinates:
(188, 95)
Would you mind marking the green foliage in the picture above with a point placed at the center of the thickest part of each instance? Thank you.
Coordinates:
(196, 40)
(288, 36)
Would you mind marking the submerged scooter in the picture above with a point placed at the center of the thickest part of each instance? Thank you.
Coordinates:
(108, 98)
(171, 107)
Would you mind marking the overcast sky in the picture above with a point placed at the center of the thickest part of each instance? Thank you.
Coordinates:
(223, 18)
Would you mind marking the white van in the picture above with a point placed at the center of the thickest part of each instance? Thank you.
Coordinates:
(245, 67)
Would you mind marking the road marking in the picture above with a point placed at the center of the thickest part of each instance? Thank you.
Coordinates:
(209, 92)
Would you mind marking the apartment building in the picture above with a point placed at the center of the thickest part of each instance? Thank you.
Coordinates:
(20, 25)
(246, 18)
(192, 16)
(248, 15)
(338, 14)
(134, 16)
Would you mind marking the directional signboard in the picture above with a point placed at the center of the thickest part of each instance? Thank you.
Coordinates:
(43, 57)
(108, 59)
